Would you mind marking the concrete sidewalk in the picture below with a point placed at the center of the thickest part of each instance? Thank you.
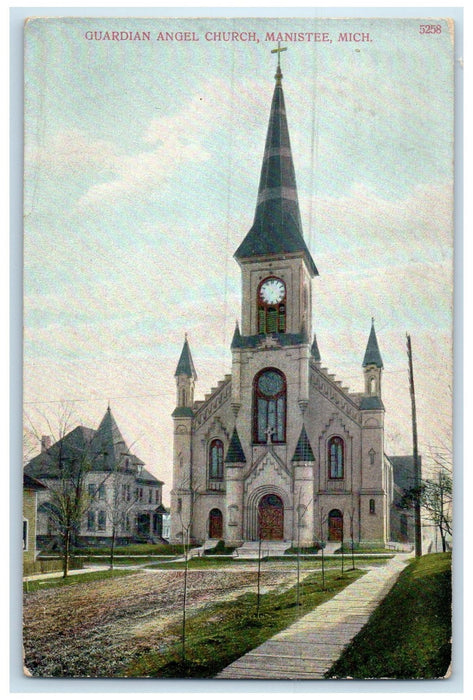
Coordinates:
(308, 648)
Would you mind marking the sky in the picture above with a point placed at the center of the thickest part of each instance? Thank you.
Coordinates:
(142, 161)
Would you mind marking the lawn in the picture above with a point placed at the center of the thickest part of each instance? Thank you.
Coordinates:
(409, 634)
(220, 634)
(72, 580)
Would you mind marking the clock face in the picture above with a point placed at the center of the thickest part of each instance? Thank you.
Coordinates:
(272, 291)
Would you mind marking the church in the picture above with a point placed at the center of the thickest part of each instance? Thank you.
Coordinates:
(280, 450)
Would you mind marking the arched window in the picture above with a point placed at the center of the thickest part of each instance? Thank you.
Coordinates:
(216, 460)
(269, 407)
(335, 457)
(271, 306)
(372, 506)
(372, 386)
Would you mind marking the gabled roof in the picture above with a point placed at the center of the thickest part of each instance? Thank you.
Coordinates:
(32, 484)
(303, 451)
(372, 354)
(146, 477)
(74, 445)
(235, 454)
(185, 366)
(277, 226)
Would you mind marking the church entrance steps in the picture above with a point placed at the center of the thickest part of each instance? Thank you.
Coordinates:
(309, 647)
(269, 548)
(332, 547)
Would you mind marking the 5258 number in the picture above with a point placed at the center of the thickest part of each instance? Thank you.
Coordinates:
(430, 29)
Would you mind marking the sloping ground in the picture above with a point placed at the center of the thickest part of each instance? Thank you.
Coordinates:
(97, 629)
(409, 634)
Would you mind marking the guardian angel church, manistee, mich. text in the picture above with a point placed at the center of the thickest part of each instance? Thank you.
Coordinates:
(280, 450)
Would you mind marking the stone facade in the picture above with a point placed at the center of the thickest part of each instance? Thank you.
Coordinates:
(280, 449)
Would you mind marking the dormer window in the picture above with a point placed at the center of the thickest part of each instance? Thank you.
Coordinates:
(271, 303)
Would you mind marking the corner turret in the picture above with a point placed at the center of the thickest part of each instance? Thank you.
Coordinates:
(372, 367)
(186, 377)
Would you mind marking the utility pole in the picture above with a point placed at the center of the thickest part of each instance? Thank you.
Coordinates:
(417, 474)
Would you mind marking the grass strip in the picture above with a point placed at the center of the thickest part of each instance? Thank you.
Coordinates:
(72, 579)
(409, 634)
(286, 562)
(222, 632)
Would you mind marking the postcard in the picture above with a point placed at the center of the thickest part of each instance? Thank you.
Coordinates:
(238, 322)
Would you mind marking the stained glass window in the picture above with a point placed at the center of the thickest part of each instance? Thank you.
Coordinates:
(335, 457)
(270, 407)
(216, 460)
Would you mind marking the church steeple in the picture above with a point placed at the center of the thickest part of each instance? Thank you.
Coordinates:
(372, 368)
(185, 379)
(372, 354)
(277, 227)
(185, 366)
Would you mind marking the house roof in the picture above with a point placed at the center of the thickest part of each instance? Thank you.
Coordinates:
(277, 226)
(103, 449)
(146, 477)
(32, 484)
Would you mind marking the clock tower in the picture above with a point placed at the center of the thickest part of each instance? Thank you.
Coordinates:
(277, 267)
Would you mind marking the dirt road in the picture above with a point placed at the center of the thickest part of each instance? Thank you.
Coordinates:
(95, 629)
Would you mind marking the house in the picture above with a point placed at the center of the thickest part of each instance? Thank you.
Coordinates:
(280, 449)
(118, 495)
(31, 488)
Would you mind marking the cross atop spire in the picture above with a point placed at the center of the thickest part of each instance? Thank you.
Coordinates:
(278, 75)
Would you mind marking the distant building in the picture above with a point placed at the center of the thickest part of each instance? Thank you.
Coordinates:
(402, 517)
(118, 491)
(31, 488)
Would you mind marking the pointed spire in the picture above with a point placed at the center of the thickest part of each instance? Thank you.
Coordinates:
(185, 365)
(108, 441)
(277, 226)
(235, 454)
(236, 340)
(314, 350)
(303, 451)
(372, 354)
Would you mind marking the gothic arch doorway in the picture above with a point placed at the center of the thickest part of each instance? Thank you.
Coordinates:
(335, 526)
(215, 524)
(271, 517)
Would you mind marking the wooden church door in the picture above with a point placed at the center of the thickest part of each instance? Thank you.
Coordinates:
(271, 518)
(215, 524)
(335, 526)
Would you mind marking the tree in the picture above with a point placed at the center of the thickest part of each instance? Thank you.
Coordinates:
(66, 464)
(186, 519)
(435, 496)
(120, 500)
